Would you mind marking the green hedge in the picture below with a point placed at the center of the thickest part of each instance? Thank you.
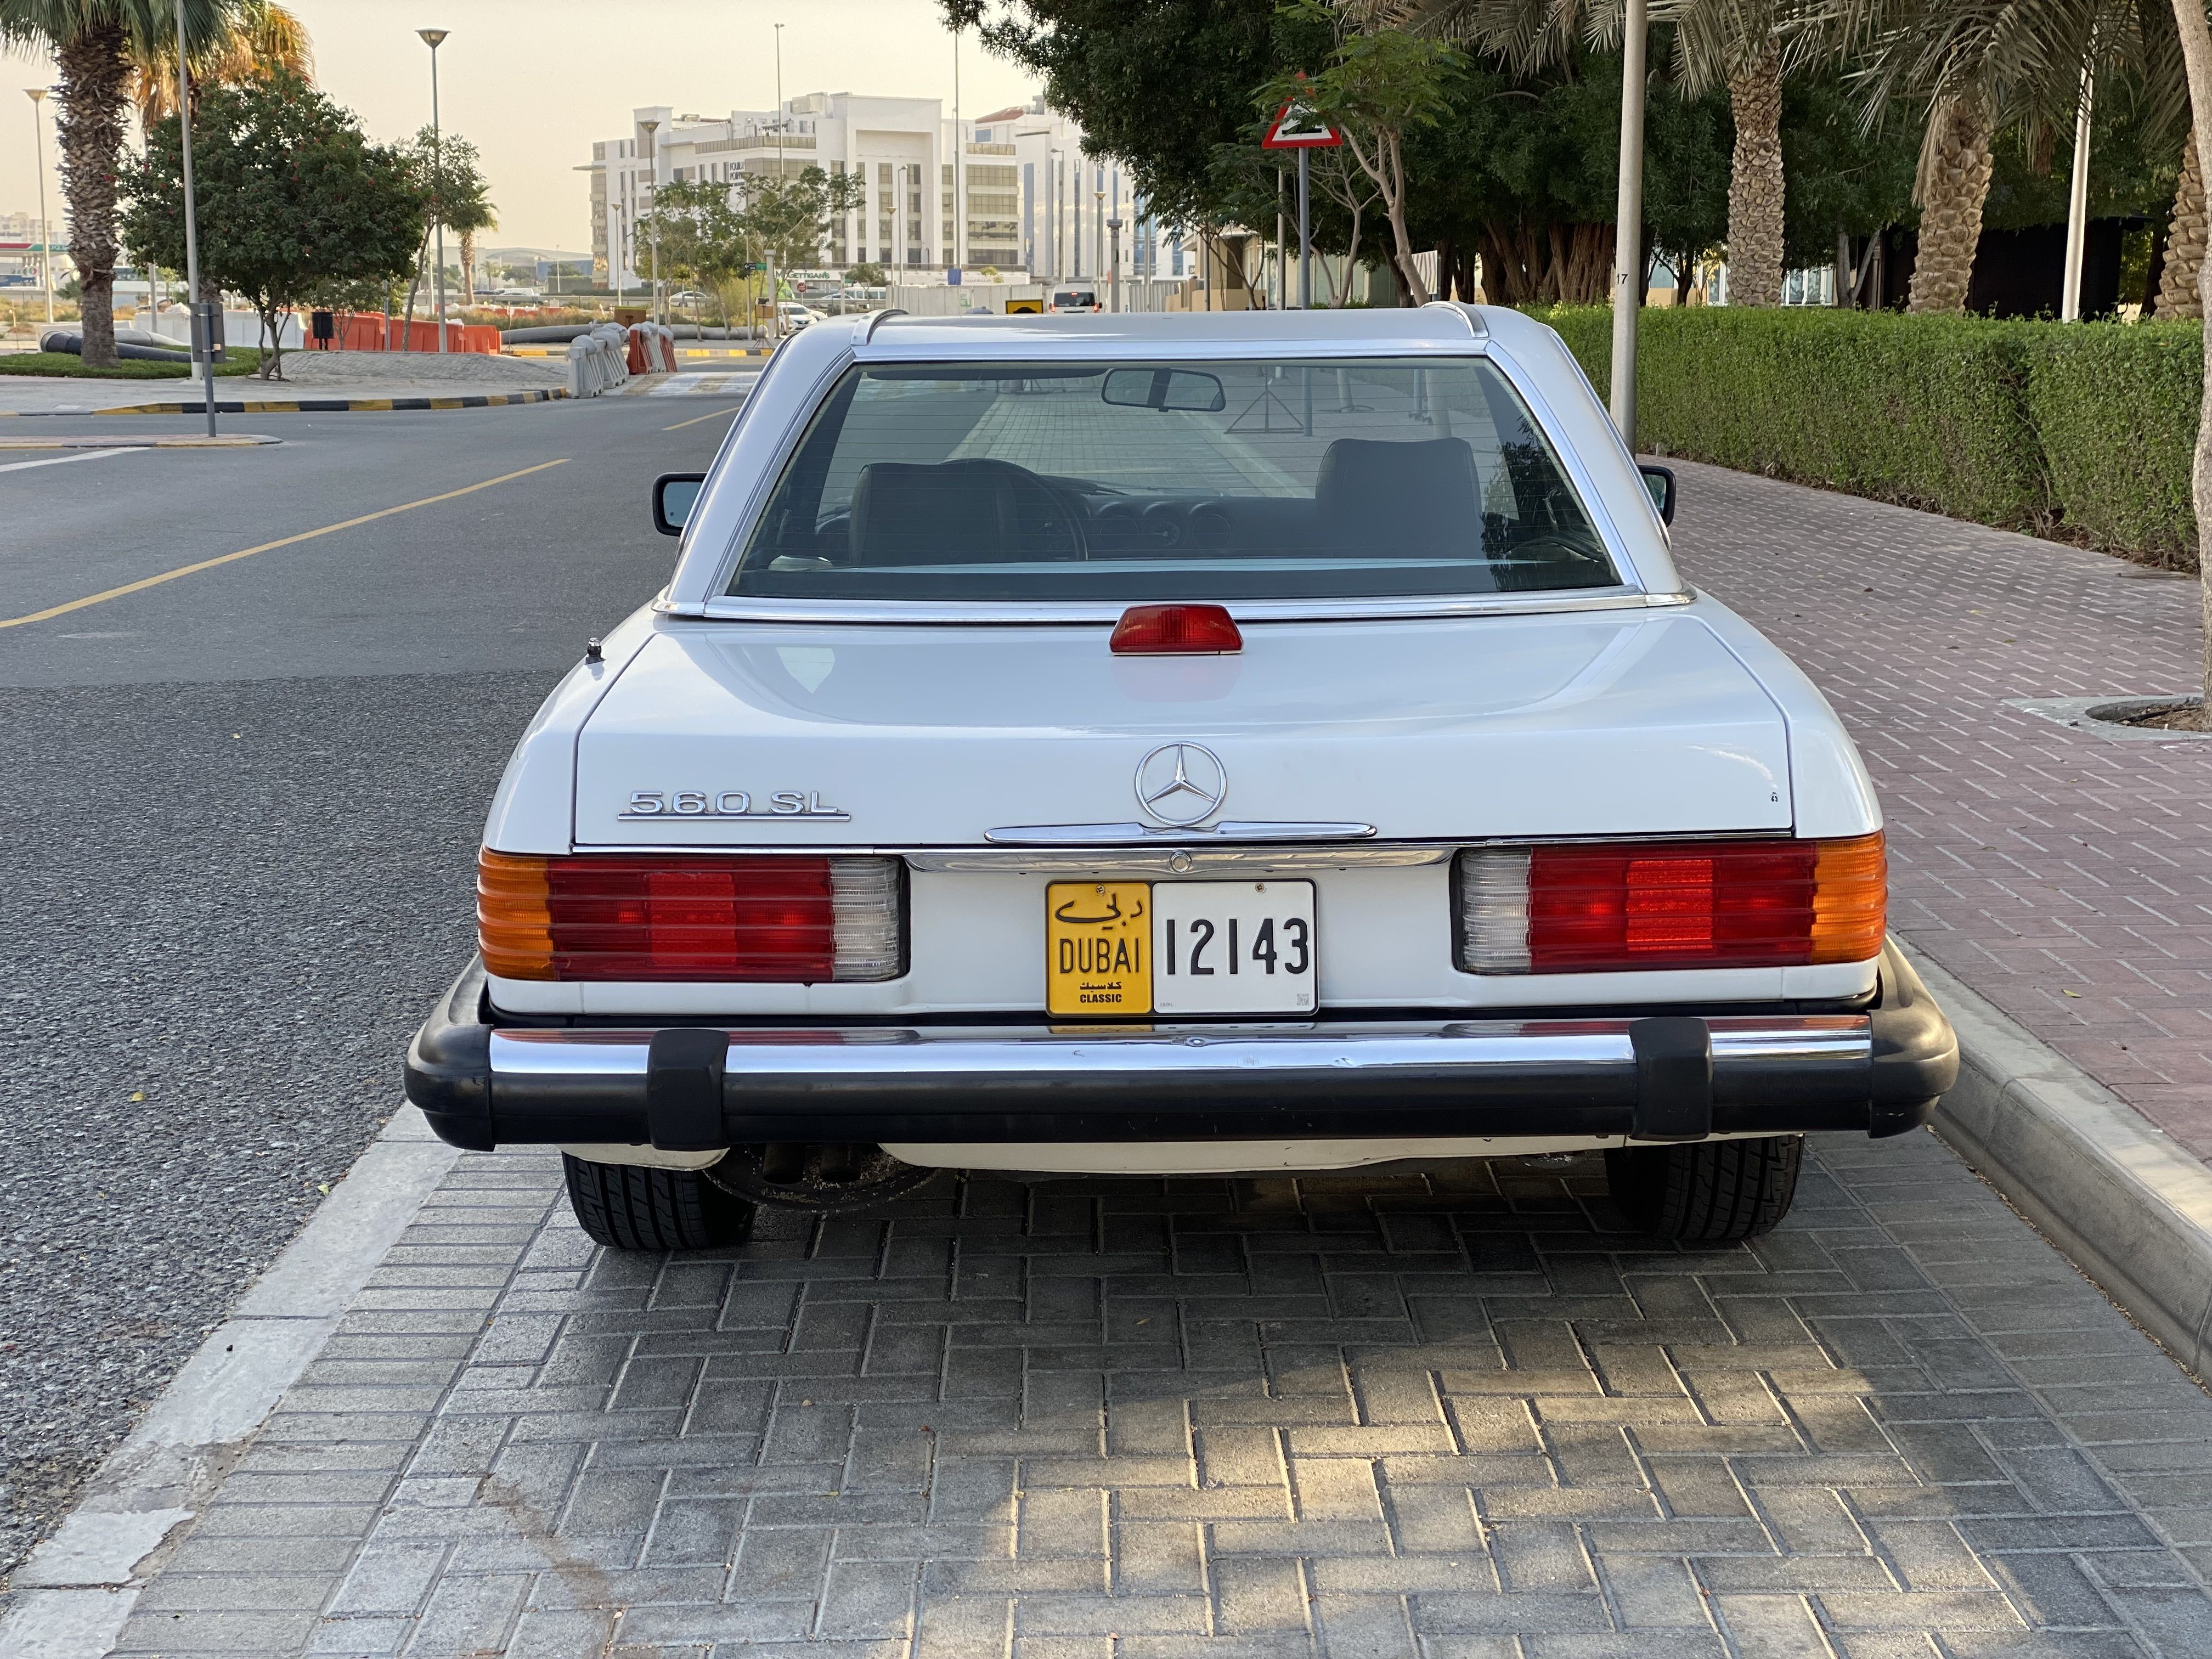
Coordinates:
(2081, 431)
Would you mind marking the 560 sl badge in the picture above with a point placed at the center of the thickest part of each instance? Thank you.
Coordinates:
(732, 804)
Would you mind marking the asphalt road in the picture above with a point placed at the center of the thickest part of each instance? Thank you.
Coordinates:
(235, 845)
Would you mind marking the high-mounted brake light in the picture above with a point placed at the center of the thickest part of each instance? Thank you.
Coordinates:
(775, 919)
(1611, 907)
(1175, 630)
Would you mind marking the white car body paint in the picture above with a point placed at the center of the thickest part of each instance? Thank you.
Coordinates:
(1642, 710)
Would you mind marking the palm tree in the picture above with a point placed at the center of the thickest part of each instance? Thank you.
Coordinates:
(92, 42)
(1745, 44)
(258, 39)
(1979, 66)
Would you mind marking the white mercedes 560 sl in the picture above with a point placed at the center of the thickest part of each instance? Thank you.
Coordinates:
(1171, 744)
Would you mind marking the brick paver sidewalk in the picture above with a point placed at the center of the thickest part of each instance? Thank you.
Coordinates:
(1365, 1417)
(2065, 876)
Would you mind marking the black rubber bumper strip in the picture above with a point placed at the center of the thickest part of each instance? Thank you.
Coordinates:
(1673, 1074)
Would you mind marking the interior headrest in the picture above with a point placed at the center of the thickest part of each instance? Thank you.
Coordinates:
(1413, 498)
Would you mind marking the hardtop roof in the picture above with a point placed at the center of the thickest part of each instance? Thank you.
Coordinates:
(1440, 326)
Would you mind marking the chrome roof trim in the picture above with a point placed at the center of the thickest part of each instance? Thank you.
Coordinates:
(1439, 606)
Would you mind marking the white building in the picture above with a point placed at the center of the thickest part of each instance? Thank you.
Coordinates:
(1010, 189)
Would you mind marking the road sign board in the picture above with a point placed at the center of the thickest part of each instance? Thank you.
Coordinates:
(1297, 127)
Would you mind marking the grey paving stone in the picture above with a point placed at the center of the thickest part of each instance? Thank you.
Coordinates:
(1660, 1460)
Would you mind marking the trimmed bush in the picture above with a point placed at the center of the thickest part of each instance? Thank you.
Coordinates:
(2115, 410)
(2081, 431)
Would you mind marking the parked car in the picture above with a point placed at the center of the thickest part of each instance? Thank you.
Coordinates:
(795, 315)
(1207, 743)
(1074, 299)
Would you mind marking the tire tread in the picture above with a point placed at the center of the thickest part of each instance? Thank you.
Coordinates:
(1713, 1192)
(628, 1207)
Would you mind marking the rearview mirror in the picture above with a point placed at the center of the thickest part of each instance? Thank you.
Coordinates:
(1163, 388)
(1660, 481)
(674, 494)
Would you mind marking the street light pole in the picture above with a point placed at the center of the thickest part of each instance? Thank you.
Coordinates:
(1628, 233)
(38, 97)
(204, 320)
(433, 39)
(1114, 224)
(2077, 200)
(652, 224)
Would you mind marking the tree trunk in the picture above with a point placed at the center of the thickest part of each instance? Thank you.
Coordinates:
(89, 119)
(1754, 232)
(468, 267)
(2185, 244)
(2197, 56)
(1954, 183)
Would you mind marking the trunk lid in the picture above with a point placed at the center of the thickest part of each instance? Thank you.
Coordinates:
(1568, 724)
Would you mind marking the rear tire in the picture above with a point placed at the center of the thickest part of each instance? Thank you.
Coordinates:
(628, 1207)
(1708, 1192)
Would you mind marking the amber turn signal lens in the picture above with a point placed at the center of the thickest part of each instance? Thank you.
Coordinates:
(1851, 899)
(1175, 630)
(515, 919)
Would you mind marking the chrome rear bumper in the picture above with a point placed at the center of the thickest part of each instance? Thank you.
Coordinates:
(1663, 1076)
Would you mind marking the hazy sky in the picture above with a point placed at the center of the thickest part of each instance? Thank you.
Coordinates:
(534, 81)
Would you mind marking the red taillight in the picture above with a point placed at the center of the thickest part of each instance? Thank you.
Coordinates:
(1175, 630)
(1606, 908)
(775, 919)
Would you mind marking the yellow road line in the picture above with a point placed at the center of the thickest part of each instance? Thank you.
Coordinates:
(145, 582)
(696, 419)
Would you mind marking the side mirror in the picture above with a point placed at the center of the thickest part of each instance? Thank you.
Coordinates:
(1660, 481)
(674, 496)
(1163, 388)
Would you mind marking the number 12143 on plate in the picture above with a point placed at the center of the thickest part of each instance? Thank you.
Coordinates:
(1180, 947)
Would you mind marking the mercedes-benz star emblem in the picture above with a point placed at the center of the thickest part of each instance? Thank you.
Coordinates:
(1181, 783)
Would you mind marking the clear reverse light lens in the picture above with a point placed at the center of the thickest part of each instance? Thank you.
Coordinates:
(867, 918)
(1493, 911)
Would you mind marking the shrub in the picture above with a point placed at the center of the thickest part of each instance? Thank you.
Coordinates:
(2116, 411)
(2081, 430)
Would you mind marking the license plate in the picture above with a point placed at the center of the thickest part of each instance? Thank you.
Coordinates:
(1180, 947)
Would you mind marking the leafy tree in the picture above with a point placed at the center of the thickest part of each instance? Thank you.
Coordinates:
(93, 42)
(451, 178)
(292, 198)
(1101, 62)
(1375, 86)
(866, 273)
(789, 216)
(696, 231)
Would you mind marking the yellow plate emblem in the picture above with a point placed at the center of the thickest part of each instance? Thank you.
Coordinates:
(1098, 938)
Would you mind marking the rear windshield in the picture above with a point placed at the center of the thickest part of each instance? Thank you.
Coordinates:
(1132, 481)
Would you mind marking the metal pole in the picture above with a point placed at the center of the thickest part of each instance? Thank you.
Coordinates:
(205, 349)
(38, 97)
(1282, 253)
(433, 38)
(2077, 200)
(1114, 224)
(959, 166)
(653, 230)
(1305, 238)
(1628, 226)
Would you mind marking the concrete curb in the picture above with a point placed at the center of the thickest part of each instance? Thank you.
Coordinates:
(307, 405)
(229, 440)
(344, 405)
(77, 1588)
(2130, 1205)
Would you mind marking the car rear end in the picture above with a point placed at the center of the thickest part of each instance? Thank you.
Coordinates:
(1112, 752)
